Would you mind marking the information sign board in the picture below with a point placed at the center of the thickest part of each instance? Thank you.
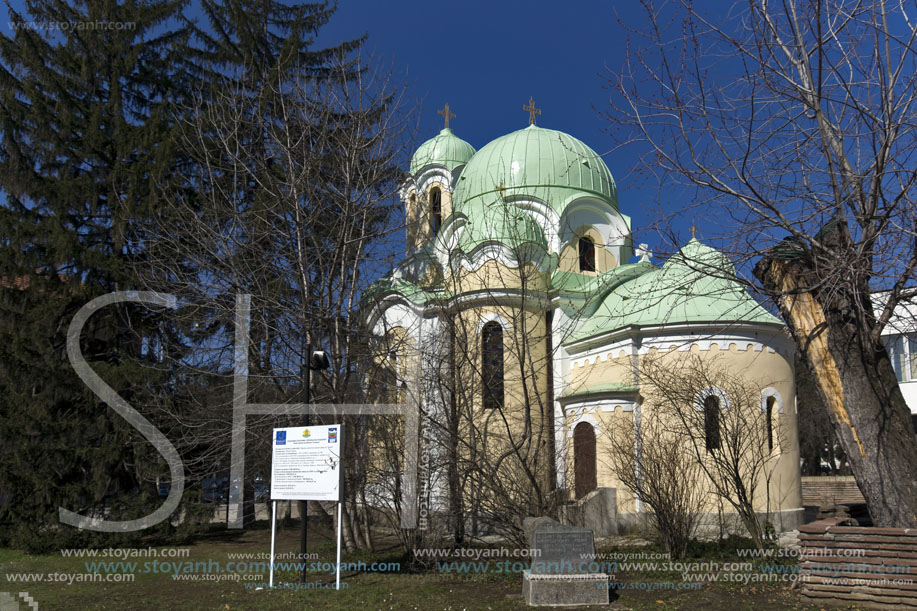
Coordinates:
(305, 463)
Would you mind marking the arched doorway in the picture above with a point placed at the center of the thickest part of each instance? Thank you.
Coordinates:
(583, 459)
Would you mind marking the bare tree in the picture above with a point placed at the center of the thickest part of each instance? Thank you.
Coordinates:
(794, 121)
(289, 197)
(657, 464)
(716, 415)
(819, 450)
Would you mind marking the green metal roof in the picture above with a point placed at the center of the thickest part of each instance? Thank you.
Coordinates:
(694, 285)
(582, 293)
(576, 391)
(543, 163)
(504, 224)
(400, 286)
(445, 149)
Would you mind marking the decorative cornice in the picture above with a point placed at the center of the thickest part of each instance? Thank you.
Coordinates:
(621, 342)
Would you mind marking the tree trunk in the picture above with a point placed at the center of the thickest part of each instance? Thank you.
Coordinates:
(346, 533)
(456, 511)
(855, 379)
(365, 521)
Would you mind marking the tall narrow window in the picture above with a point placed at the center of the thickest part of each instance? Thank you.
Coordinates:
(492, 365)
(712, 423)
(584, 476)
(436, 208)
(912, 355)
(411, 221)
(895, 346)
(769, 421)
(586, 255)
(394, 385)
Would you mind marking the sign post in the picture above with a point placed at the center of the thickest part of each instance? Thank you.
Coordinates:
(270, 581)
(306, 465)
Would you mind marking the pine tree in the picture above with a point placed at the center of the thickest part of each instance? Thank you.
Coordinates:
(85, 138)
(294, 159)
(265, 40)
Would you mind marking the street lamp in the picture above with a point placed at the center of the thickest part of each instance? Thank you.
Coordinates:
(316, 360)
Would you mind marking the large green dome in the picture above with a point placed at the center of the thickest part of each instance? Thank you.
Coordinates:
(542, 163)
(504, 224)
(445, 149)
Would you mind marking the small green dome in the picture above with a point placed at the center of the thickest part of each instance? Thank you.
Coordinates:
(503, 224)
(697, 256)
(696, 285)
(544, 163)
(445, 149)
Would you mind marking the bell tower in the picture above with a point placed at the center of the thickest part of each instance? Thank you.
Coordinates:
(427, 192)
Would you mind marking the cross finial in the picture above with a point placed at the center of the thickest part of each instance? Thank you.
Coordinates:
(531, 110)
(644, 252)
(501, 189)
(693, 232)
(446, 114)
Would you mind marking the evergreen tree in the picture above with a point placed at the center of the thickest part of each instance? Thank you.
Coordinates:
(265, 40)
(85, 137)
(91, 169)
(293, 167)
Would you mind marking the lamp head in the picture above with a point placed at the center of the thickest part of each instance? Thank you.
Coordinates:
(319, 360)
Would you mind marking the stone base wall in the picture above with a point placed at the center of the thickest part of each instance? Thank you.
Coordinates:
(709, 526)
(597, 510)
(862, 566)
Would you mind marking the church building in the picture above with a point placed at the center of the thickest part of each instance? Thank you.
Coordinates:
(521, 323)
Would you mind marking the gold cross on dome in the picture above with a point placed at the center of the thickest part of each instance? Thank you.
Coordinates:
(501, 189)
(531, 110)
(446, 114)
(693, 232)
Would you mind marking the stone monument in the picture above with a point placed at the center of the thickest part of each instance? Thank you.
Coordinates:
(563, 561)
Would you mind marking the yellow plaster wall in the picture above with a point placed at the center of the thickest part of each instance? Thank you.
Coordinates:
(569, 254)
(493, 275)
(419, 217)
(615, 368)
(762, 369)
(412, 221)
(605, 477)
(527, 410)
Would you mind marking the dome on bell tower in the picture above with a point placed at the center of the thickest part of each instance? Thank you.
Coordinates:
(445, 149)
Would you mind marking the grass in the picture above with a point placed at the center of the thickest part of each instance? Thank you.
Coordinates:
(365, 590)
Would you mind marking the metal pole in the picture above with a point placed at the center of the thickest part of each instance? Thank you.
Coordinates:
(340, 501)
(338, 583)
(270, 581)
(304, 505)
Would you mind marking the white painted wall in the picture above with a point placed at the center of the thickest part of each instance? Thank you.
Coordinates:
(903, 323)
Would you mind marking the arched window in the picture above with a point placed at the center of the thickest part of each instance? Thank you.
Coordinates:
(712, 422)
(492, 365)
(411, 220)
(394, 385)
(436, 208)
(769, 419)
(584, 480)
(586, 255)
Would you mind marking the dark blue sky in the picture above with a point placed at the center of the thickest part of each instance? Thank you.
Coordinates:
(487, 58)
